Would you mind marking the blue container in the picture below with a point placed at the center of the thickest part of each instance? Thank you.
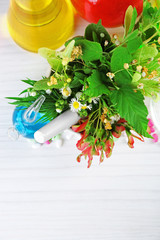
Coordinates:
(25, 128)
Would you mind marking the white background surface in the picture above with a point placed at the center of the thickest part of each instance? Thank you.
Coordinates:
(46, 195)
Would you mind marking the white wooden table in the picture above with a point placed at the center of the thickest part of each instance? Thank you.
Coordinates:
(46, 195)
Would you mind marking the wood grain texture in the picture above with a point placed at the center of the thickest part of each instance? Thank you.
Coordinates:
(46, 195)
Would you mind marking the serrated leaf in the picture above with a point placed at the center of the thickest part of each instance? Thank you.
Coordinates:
(119, 58)
(97, 84)
(145, 52)
(131, 107)
(91, 51)
(42, 85)
(93, 32)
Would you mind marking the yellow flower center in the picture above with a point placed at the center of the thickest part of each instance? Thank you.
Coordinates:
(76, 105)
(84, 107)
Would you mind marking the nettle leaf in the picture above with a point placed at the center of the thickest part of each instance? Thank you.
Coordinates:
(42, 85)
(91, 51)
(119, 58)
(97, 84)
(94, 32)
(145, 52)
(131, 107)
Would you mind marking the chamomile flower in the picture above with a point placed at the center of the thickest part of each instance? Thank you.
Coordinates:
(66, 92)
(75, 105)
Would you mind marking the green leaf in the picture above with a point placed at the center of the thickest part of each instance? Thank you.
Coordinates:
(132, 35)
(68, 50)
(91, 51)
(119, 58)
(42, 85)
(97, 84)
(76, 82)
(128, 18)
(24, 91)
(158, 3)
(133, 20)
(56, 64)
(75, 39)
(131, 107)
(134, 44)
(136, 77)
(145, 52)
(29, 81)
(52, 57)
(47, 53)
(94, 32)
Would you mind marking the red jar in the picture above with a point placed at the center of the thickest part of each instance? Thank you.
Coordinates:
(111, 12)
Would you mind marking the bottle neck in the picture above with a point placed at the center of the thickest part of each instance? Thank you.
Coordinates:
(36, 12)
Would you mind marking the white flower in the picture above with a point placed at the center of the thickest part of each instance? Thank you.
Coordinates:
(75, 105)
(48, 91)
(66, 92)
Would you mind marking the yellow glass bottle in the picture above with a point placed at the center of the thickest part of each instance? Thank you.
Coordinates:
(40, 23)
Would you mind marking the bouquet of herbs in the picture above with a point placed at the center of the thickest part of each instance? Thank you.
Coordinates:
(104, 79)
